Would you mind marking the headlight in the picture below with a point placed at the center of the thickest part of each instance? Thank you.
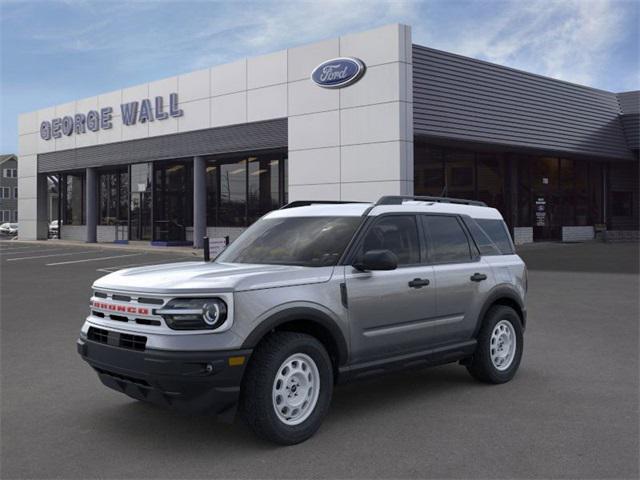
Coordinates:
(194, 313)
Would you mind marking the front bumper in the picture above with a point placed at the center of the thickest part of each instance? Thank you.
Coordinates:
(195, 382)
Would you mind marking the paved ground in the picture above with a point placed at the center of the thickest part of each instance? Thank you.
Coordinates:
(572, 410)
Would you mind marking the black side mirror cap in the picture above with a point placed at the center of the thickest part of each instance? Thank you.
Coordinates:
(377, 260)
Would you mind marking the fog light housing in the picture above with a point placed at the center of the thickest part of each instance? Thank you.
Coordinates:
(194, 313)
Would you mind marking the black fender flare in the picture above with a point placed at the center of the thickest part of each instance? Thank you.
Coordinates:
(296, 314)
(495, 295)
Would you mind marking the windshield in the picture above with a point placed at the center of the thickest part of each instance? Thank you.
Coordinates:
(304, 241)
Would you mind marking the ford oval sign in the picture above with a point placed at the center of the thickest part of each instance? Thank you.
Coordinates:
(338, 73)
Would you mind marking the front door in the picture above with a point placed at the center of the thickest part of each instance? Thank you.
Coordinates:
(387, 315)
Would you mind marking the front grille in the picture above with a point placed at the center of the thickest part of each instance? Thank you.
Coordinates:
(128, 308)
(98, 335)
(116, 339)
(133, 342)
(151, 301)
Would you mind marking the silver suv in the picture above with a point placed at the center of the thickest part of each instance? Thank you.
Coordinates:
(311, 295)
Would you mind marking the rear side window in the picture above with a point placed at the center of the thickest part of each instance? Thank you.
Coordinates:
(396, 233)
(484, 243)
(446, 239)
(497, 231)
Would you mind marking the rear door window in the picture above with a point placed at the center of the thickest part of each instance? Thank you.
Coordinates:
(497, 231)
(446, 239)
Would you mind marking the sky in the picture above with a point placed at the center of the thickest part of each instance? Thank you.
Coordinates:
(55, 51)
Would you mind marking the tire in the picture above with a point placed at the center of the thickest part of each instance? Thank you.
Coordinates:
(491, 362)
(273, 361)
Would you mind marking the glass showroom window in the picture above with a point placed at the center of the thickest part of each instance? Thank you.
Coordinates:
(73, 199)
(113, 197)
(241, 190)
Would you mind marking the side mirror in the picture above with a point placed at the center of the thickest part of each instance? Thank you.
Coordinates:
(377, 260)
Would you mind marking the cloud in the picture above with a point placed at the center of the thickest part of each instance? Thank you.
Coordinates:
(569, 40)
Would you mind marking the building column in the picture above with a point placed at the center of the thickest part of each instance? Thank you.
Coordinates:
(199, 201)
(91, 205)
(42, 215)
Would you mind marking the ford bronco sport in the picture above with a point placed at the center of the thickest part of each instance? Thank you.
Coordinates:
(311, 295)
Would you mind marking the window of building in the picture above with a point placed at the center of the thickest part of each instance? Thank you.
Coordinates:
(10, 173)
(622, 204)
(6, 215)
(397, 233)
(5, 192)
(264, 186)
(73, 199)
(460, 174)
(490, 180)
(446, 240)
(15, 192)
(428, 170)
(242, 189)
(113, 195)
(15, 215)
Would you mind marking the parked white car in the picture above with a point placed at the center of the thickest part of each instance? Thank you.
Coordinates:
(54, 229)
(9, 228)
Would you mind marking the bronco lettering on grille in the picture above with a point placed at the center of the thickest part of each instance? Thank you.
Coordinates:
(119, 308)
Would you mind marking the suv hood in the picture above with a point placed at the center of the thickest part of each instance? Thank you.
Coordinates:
(201, 277)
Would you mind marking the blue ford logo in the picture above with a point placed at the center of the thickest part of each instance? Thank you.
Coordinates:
(338, 73)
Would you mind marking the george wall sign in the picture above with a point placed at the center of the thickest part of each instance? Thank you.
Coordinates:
(339, 72)
(94, 120)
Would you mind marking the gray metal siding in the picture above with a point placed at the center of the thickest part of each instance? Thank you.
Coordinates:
(630, 107)
(631, 127)
(236, 138)
(629, 101)
(460, 98)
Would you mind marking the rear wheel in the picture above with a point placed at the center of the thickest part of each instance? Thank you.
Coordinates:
(499, 349)
(287, 388)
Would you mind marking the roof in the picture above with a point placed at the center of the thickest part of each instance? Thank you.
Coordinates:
(6, 158)
(470, 100)
(358, 209)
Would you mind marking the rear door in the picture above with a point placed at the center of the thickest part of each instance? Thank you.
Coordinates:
(462, 278)
(389, 311)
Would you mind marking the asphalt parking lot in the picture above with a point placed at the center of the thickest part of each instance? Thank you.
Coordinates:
(571, 412)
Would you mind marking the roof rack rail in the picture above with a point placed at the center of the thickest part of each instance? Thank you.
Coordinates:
(306, 203)
(399, 199)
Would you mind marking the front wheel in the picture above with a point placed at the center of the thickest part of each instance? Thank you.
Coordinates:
(287, 387)
(499, 349)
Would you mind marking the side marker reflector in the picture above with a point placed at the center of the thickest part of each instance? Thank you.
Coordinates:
(236, 361)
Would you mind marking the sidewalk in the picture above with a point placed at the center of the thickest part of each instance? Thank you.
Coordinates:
(131, 246)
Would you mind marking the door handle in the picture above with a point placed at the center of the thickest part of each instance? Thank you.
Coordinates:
(478, 277)
(419, 283)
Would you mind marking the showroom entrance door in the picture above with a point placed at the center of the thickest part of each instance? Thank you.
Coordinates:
(141, 200)
(140, 219)
(546, 199)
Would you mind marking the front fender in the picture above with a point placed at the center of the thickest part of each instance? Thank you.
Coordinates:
(315, 313)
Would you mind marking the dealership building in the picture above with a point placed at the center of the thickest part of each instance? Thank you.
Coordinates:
(350, 118)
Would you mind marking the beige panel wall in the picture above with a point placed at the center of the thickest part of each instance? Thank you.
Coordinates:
(354, 143)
